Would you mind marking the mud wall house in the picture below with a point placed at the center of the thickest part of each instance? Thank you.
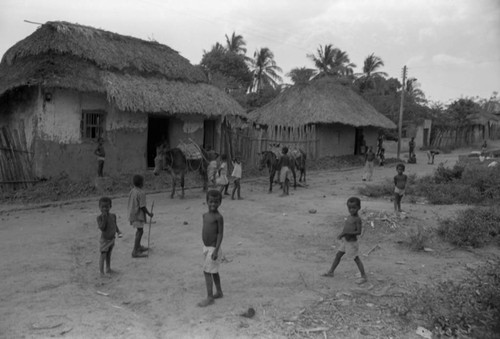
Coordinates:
(323, 117)
(66, 85)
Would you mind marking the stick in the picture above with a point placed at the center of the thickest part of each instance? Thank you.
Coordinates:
(150, 220)
(373, 249)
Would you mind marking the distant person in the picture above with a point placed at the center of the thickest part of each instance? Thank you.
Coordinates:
(400, 181)
(212, 157)
(349, 238)
(109, 229)
(484, 146)
(285, 163)
(222, 180)
(411, 146)
(369, 164)
(212, 234)
(382, 156)
(380, 144)
(237, 172)
(101, 154)
(430, 156)
(137, 212)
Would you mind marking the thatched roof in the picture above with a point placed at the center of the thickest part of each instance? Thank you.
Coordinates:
(136, 75)
(483, 118)
(319, 101)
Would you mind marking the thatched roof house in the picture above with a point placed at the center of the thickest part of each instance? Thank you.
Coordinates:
(340, 116)
(66, 84)
(135, 75)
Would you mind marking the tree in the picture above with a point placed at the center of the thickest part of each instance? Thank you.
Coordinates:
(236, 44)
(341, 65)
(369, 79)
(413, 92)
(301, 75)
(264, 70)
(332, 61)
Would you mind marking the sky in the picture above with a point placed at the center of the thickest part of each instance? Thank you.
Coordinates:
(452, 47)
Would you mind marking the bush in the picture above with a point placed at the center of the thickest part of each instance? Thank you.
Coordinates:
(418, 239)
(470, 307)
(446, 175)
(474, 227)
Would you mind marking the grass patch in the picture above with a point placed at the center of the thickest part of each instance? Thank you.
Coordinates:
(467, 308)
(474, 227)
(417, 240)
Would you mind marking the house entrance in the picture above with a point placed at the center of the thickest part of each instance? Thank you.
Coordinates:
(209, 134)
(359, 142)
(157, 134)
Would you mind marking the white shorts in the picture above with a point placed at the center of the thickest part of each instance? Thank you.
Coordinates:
(209, 265)
(350, 248)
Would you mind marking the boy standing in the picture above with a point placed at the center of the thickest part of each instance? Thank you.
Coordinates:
(99, 152)
(237, 176)
(107, 225)
(400, 181)
(137, 212)
(369, 164)
(212, 234)
(285, 163)
(349, 238)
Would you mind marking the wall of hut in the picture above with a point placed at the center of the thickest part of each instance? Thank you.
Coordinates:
(52, 122)
(335, 139)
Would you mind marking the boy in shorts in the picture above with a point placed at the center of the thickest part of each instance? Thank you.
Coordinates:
(108, 227)
(400, 181)
(137, 212)
(212, 234)
(349, 238)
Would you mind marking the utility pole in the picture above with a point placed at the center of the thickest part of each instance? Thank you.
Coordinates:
(400, 125)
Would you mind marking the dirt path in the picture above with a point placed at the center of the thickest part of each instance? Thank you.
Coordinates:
(275, 251)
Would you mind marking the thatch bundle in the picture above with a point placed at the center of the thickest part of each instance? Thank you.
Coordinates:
(320, 101)
(136, 75)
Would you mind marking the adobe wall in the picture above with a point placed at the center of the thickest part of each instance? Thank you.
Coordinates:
(335, 139)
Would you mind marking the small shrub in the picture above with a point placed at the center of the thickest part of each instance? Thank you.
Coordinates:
(446, 174)
(474, 227)
(468, 308)
(417, 240)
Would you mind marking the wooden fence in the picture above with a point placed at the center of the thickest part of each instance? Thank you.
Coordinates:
(16, 170)
(251, 141)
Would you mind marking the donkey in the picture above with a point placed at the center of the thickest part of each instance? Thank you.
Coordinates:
(270, 160)
(176, 164)
(300, 162)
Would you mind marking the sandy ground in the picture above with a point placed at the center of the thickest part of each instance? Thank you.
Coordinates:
(275, 251)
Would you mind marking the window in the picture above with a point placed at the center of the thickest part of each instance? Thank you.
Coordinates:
(92, 124)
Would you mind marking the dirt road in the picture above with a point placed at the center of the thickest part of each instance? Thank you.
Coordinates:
(275, 251)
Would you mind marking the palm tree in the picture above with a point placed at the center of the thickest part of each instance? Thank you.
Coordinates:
(370, 74)
(413, 91)
(324, 59)
(301, 75)
(236, 44)
(341, 65)
(264, 70)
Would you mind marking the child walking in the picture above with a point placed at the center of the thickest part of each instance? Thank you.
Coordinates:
(212, 234)
(137, 212)
(400, 181)
(237, 176)
(369, 164)
(100, 153)
(108, 227)
(349, 238)
(286, 164)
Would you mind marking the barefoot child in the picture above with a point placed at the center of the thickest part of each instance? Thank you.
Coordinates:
(369, 164)
(107, 225)
(399, 186)
(349, 238)
(222, 180)
(100, 153)
(137, 212)
(237, 176)
(212, 233)
(285, 163)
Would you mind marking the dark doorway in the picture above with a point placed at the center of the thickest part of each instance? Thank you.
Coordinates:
(209, 134)
(426, 137)
(359, 142)
(157, 134)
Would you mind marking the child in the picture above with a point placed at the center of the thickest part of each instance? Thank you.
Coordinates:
(107, 225)
(382, 156)
(349, 238)
(212, 166)
(222, 180)
(137, 212)
(100, 156)
(411, 146)
(430, 156)
(285, 163)
(212, 233)
(237, 176)
(369, 163)
(399, 186)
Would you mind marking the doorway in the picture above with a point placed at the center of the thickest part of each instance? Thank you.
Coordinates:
(157, 134)
(209, 134)
(359, 142)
